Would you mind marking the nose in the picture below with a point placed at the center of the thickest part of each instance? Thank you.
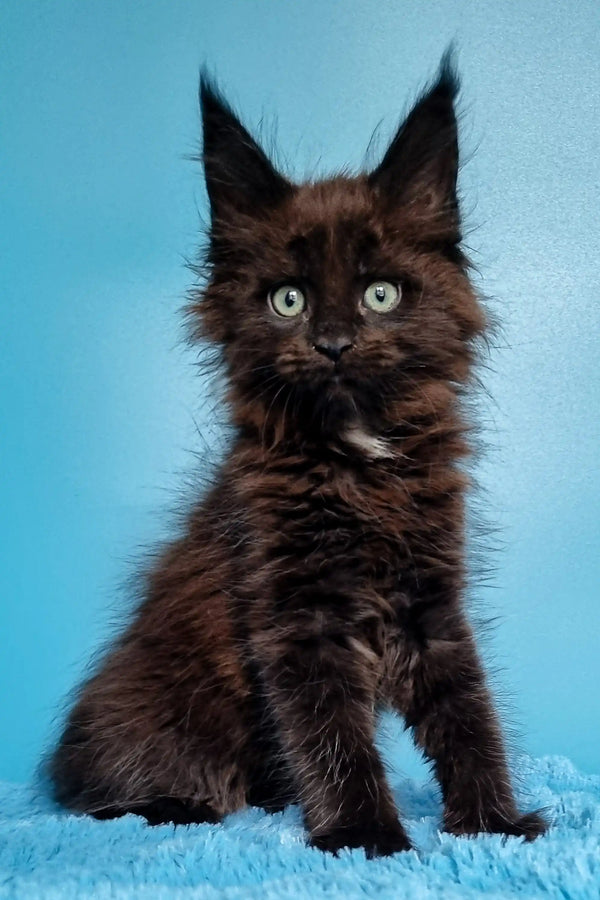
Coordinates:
(333, 348)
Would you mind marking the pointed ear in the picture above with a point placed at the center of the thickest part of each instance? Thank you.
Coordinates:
(239, 176)
(420, 166)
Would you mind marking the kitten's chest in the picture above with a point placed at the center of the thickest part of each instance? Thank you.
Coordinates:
(326, 512)
(377, 526)
(334, 547)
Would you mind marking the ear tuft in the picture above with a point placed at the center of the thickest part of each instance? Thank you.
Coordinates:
(239, 176)
(448, 80)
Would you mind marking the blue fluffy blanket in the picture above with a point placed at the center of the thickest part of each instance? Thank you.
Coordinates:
(45, 852)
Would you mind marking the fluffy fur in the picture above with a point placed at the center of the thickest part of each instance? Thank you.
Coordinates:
(322, 576)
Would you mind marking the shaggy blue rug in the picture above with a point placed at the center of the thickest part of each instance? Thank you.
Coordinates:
(47, 853)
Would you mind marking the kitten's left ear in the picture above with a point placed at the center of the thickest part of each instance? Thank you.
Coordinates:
(420, 167)
(239, 176)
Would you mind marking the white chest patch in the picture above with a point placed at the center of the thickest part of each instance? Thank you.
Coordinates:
(369, 445)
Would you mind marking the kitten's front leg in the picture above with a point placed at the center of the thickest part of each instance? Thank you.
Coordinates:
(322, 697)
(446, 702)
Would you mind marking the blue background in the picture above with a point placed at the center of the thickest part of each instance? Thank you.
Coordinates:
(99, 207)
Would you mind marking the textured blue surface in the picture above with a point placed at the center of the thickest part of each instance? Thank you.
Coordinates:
(97, 207)
(45, 853)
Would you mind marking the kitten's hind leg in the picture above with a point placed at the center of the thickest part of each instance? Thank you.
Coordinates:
(270, 783)
(444, 699)
(163, 810)
(270, 790)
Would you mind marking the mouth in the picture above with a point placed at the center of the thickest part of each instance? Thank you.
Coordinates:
(338, 369)
(336, 387)
(335, 378)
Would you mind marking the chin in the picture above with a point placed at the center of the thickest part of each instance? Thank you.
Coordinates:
(334, 404)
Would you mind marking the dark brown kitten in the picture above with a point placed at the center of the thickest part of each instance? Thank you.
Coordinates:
(322, 578)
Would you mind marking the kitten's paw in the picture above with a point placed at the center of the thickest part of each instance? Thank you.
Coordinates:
(529, 826)
(163, 811)
(375, 839)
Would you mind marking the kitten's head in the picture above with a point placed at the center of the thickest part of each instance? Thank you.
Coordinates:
(332, 299)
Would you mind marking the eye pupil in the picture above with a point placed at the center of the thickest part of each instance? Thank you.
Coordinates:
(380, 292)
(290, 299)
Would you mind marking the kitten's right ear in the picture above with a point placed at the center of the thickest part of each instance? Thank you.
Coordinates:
(239, 176)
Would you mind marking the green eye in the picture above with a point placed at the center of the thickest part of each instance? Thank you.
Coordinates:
(382, 296)
(287, 301)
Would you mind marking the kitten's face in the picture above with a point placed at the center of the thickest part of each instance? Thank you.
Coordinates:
(338, 293)
(328, 297)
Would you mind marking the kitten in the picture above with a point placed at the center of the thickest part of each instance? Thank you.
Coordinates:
(322, 576)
